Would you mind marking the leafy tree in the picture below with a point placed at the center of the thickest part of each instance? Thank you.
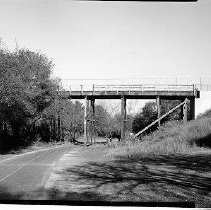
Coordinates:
(167, 105)
(70, 116)
(25, 91)
(145, 117)
(102, 120)
(149, 114)
(117, 123)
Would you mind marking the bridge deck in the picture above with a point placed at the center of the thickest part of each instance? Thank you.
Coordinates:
(130, 91)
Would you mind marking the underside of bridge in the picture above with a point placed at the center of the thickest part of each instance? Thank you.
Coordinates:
(90, 97)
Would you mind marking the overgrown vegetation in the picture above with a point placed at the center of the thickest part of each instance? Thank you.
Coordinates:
(149, 113)
(174, 137)
(25, 91)
(29, 109)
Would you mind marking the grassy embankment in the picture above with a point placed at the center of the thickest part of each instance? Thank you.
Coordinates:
(171, 164)
(172, 138)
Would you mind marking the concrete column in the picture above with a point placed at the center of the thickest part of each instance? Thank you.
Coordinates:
(192, 109)
(123, 116)
(85, 120)
(158, 108)
(93, 121)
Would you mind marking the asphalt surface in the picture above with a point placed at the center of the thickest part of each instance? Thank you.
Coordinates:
(30, 171)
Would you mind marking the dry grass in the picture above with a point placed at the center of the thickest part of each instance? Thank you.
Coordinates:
(172, 138)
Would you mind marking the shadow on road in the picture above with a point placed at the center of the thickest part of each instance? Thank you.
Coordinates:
(154, 179)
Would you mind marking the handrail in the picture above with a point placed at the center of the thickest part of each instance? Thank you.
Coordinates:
(146, 86)
(129, 87)
(202, 84)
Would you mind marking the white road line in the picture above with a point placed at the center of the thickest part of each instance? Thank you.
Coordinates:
(28, 154)
(1, 180)
(4, 178)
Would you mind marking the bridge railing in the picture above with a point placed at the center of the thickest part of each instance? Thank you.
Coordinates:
(130, 87)
(145, 87)
(202, 84)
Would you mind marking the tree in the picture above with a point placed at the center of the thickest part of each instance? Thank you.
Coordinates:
(149, 114)
(65, 119)
(25, 91)
(145, 117)
(167, 105)
(102, 121)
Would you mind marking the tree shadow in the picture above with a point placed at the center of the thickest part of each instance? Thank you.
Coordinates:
(55, 196)
(141, 179)
(160, 179)
(48, 194)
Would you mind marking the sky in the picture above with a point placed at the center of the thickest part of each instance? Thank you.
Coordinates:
(91, 39)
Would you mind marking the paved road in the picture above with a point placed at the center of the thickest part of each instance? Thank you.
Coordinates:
(28, 172)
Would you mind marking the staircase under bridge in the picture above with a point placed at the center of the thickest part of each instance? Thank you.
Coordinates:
(90, 91)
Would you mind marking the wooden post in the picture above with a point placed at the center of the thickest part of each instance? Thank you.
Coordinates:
(158, 108)
(123, 116)
(85, 121)
(192, 109)
(54, 128)
(62, 130)
(181, 110)
(51, 129)
(93, 120)
(59, 127)
(185, 112)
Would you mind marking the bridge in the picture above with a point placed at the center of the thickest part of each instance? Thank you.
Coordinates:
(90, 91)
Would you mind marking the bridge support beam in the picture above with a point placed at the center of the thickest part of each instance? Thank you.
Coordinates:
(85, 120)
(158, 108)
(93, 121)
(192, 109)
(123, 116)
(181, 110)
(59, 127)
(185, 112)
